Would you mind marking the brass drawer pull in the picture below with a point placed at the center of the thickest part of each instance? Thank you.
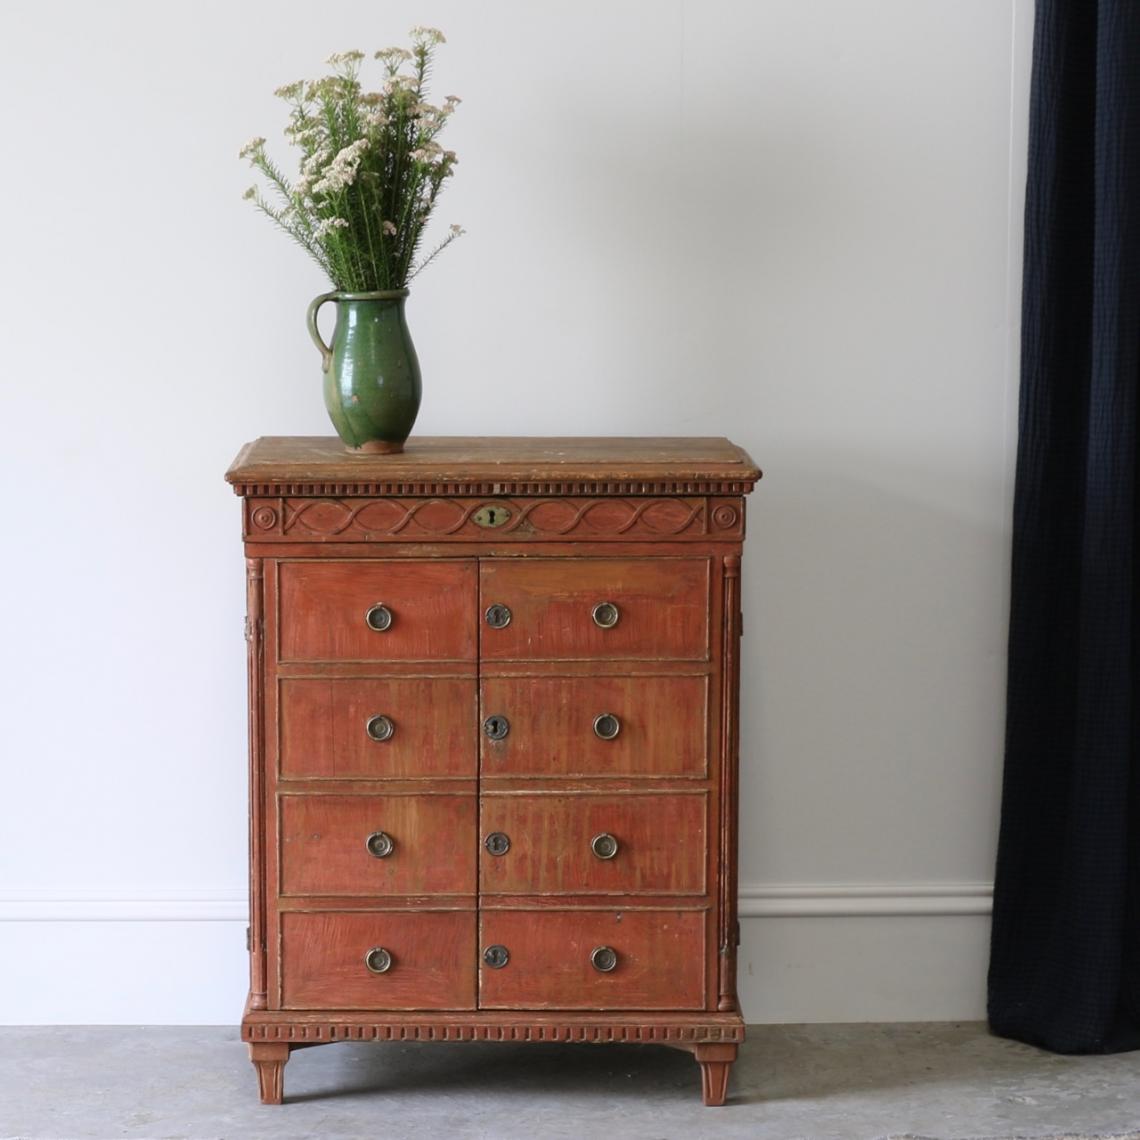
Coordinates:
(497, 843)
(378, 617)
(378, 960)
(606, 726)
(605, 615)
(380, 727)
(380, 844)
(498, 616)
(496, 957)
(603, 959)
(604, 846)
(496, 727)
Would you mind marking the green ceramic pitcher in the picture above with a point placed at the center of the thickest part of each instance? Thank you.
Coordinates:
(371, 374)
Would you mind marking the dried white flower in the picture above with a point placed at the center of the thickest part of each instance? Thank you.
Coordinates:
(250, 194)
(317, 159)
(421, 35)
(393, 55)
(431, 118)
(252, 148)
(329, 87)
(341, 172)
(427, 151)
(306, 137)
(328, 225)
(450, 102)
(291, 91)
(344, 57)
(390, 229)
(456, 231)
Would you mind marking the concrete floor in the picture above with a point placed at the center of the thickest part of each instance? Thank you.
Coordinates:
(823, 1082)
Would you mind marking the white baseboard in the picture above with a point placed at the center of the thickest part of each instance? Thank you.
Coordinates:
(771, 900)
(852, 900)
(90, 905)
(809, 953)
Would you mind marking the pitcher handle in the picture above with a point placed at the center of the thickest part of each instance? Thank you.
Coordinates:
(315, 333)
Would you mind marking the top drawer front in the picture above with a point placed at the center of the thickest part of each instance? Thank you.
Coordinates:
(428, 611)
(650, 608)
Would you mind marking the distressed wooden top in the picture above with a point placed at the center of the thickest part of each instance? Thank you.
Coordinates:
(320, 465)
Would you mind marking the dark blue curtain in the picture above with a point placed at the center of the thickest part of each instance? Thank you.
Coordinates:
(1065, 955)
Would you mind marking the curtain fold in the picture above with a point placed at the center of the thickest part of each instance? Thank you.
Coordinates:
(1065, 951)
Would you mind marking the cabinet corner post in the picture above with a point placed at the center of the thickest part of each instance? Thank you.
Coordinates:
(728, 928)
(255, 638)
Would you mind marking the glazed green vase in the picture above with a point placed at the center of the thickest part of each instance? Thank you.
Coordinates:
(371, 374)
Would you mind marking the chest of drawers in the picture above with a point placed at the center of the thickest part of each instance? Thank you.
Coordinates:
(493, 743)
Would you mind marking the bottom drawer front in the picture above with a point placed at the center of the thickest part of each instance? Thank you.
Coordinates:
(427, 959)
(559, 959)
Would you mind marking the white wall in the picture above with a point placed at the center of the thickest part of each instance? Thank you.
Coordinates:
(794, 223)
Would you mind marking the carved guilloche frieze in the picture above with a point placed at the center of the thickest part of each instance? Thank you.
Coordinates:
(617, 518)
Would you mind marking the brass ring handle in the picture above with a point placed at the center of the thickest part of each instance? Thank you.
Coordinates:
(380, 844)
(603, 959)
(604, 846)
(380, 727)
(496, 956)
(498, 616)
(378, 960)
(605, 615)
(606, 726)
(378, 617)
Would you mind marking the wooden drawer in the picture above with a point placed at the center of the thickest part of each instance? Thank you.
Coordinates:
(324, 845)
(659, 959)
(662, 608)
(660, 844)
(432, 960)
(329, 727)
(554, 730)
(323, 610)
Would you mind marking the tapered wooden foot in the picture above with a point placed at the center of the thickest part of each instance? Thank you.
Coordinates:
(715, 1061)
(269, 1060)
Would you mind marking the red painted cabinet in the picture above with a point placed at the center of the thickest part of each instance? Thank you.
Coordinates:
(493, 743)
